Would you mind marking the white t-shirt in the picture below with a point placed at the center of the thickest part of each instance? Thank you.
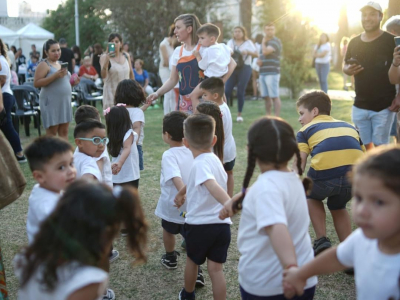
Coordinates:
(5, 71)
(175, 56)
(275, 198)
(71, 278)
(202, 207)
(229, 144)
(376, 273)
(176, 162)
(41, 204)
(106, 173)
(215, 60)
(327, 58)
(137, 115)
(130, 169)
(86, 164)
(164, 71)
(247, 45)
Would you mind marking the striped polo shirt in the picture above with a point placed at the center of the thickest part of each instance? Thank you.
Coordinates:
(271, 64)
(334, 146)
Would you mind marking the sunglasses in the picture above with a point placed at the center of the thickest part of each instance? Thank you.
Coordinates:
(96, 140)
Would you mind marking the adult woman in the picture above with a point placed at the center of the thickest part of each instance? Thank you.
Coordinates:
(78, 58)
(243, 46)
(184, 64)
(7, 104)
(115, 67)
(322, 55)
(166, 50)
(97, 52)
(125, 47)
(142, 76)
(55, 93)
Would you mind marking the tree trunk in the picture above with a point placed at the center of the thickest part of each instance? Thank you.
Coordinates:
(393, 8)
(343, 31)
(246, 15)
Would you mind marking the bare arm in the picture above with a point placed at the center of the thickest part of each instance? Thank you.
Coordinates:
(3, 79)
(282, 244)
(164, 54)
(89, 176)
(104, 62)
(178, 183)
(167, 86)
(266, 50)
(136, 128)
(89, 292)
(394, 71)
(303, 157)
(40, 79)
(180, 197)
(73, 64)
(131, 75)
(231, 68)
(216, 191)
(320, 55)
(352, 70)
(126, 150)
(146, 83)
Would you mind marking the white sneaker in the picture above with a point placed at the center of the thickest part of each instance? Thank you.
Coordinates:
(110, 295)
(114, 255)
(239, 119)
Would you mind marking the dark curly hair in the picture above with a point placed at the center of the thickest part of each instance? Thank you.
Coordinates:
(129, 92)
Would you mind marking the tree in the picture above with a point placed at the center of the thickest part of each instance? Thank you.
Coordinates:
(343, 31)
(393, 8)
(246, 14)
(92, 22)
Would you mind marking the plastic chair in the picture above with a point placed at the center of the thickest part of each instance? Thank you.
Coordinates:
(84, 93)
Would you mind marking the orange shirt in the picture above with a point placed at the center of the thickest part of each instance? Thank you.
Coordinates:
(84, 70)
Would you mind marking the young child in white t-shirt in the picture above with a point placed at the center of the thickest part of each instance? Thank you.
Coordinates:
(373, 250)
(64, 260)
(51, 161)
(273, 230)
(207, 237)
(130, 93)
(213, 89)
(176, 164)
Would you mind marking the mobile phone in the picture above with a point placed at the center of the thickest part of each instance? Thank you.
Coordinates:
(397, 41)
(352, 61)
(64, 65)
(111, 49)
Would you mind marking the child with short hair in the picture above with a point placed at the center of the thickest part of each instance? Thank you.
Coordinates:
(51, 161)
(213, 89)
(32, 67)
(374, 248)
(130, 92)
(334, 147)
(273, 229)
(175, 169)
(207, 237)
(63, 261)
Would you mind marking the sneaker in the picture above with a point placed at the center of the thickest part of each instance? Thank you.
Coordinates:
(321, 244)
(184, 296)
(110, 295)
(170, 261)
(124, 232)
(21, 159)
(114, 255)
(239, 119)
(349, 271)
(200, 282)
(183, 245)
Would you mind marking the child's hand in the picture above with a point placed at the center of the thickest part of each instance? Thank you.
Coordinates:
(227, 211)
(151, 98)
(293, 283)
(179, 200)
(115, 168)
(197, 54)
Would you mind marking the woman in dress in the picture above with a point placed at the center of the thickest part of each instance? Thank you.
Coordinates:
(115, 67)
(55, 94)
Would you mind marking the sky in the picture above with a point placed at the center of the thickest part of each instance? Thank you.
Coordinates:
(37, 5)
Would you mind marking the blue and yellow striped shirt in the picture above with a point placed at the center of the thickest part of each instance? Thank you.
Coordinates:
(334, 146)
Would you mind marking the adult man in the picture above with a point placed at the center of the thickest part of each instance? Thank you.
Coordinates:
(373, 54)
(34, 52)
(269, 63)
(67, 55)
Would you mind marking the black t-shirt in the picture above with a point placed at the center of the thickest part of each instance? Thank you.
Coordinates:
(67, 56)
(373, 88)
(21, 60)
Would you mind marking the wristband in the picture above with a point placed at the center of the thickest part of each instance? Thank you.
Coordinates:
(291, 265)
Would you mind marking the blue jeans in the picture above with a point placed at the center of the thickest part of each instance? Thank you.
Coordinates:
(308, 295)
(140, 152)
(8, 127)
(322, 72)
(239, 77)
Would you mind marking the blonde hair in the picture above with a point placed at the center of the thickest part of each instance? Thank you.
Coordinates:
(192, 21)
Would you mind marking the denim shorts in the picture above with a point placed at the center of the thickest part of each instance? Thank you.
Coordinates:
(393, 130)
(337, 190)
(269, 85)
(308, 295)
(373, 126)
(140, 152)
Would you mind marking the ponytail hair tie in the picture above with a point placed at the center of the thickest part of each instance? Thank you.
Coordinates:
(221, 115)
(117, 191)
(121, 104)
(244, 190)
(106, 111)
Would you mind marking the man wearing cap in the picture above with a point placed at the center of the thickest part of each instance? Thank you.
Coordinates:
(67, 55)
(371, 55)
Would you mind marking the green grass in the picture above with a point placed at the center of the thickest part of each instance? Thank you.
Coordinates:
(152, 281)
(335, 80)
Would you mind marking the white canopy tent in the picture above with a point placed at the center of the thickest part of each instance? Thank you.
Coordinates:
(9, 37)
(33, 34)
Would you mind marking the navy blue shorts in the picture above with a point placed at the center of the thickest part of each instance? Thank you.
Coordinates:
(308, 295)
(337, 190)
(140, 151)
(209, 241)
(172, 228)
(229, 165)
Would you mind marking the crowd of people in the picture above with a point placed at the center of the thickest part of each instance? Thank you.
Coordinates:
(85, 198)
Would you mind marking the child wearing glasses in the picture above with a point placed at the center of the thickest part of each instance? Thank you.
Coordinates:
(52, 164)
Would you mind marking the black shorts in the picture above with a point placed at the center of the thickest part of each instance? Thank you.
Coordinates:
(172, 228)
(229, 165)
(133, 183)
(209, 241)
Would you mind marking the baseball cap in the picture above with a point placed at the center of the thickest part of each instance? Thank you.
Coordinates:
(373, 5)
(62, 41)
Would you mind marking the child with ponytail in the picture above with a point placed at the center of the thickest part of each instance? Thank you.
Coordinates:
(70, 252)
(273, 230)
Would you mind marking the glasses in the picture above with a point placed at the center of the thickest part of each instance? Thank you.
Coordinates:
(96, 140)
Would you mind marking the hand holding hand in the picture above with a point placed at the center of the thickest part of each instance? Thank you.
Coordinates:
(150, 98)
(179, 200)
(292, 282)
(115, 168)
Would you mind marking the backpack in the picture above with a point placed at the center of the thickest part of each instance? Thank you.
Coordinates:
(237, 56)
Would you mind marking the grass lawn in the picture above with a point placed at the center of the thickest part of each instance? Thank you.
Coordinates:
(152, 280)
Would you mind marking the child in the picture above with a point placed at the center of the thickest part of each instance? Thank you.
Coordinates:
(216, 56)
(51, 161)
(130, 92)
(334, 146)
(207, 237)
(124, 154)
(273, 230)
(175, 169)
(85, 112)
(374, 248)
(213, 90)
(63, 261)
(32, 67)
